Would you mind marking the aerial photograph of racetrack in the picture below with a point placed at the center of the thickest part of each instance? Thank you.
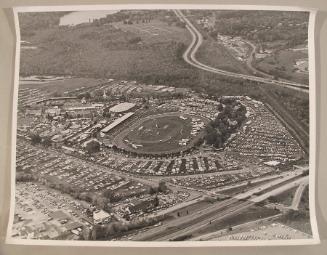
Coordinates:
(162, 125)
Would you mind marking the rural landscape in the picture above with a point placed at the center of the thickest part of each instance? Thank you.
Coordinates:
(163, 125)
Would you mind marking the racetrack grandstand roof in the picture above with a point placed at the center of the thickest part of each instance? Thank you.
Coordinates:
(123, 107)
(117, 122)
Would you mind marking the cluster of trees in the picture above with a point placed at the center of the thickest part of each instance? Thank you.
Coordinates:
(31, 21)
(122, 193)
(114, 196)
(162, 65)
(85, 95)
(92, 147)
(130, 17)
(135, 40)
(231, 116)
(36, 139)
(297, 105)
(116, 229)
(25, 177)
(162, 188)
(99, 201)
(106, 113)
(263, 26)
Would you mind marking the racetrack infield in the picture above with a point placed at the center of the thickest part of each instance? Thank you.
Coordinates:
(159, 134)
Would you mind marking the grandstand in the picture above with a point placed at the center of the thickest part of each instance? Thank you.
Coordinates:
(117, 122)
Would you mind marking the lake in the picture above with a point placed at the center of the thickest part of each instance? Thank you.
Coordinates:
(79, 17)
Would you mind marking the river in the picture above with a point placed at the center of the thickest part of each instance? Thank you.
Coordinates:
(79, 17)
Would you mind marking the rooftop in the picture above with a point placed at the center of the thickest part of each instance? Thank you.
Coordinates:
(122, 107)
(100, 215)
(117, 122)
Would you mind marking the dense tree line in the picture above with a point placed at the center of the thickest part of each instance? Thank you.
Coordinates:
(263, 26)
(37, 139)
(231, 116)
(116, 229)
(30, 22)
(162, 64)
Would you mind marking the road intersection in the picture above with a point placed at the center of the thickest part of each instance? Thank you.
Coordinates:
(197, 39)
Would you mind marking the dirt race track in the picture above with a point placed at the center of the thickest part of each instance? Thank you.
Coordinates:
(159, 134)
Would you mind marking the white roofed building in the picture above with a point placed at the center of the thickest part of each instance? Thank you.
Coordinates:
(122, 107)
(100, 216)
(117, 122)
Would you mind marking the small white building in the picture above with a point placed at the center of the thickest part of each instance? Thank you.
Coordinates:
(100, 216)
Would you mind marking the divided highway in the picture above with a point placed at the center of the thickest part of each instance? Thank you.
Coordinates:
(219, 211)
(197, 39)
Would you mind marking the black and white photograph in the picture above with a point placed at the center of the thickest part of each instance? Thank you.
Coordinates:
(163, 125)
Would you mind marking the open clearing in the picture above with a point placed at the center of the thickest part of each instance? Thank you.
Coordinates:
(61, 86)
(284, 62)
(156, 31)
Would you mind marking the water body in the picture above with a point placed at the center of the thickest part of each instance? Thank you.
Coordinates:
(79, 17)
(41, 79)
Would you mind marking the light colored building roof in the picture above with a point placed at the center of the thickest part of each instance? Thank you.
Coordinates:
(123, 107)
(88, 141)
(99, 216)
(117, 122)
(272, 163)
(81, 108)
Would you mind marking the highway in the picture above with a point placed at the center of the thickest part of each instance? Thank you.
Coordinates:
(250, 59)
(197, 39)
(280, 189)
(275, 182)
(218, 211)
(207, 219)
(183, 225)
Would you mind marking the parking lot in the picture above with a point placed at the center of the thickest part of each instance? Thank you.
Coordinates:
(263, 136)
(50, 214)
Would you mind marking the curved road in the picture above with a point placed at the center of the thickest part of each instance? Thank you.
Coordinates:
(250, 60)
(298, 194)
(197, 39)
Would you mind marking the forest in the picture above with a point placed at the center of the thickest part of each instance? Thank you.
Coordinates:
(230, 118)
(263, 26)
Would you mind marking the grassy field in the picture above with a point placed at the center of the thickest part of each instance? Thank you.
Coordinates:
(155, 32)
(304, 204)
(213, 54)
(157, 134)
(284, 198)
(109, 50)
(59, 87)
(282, 64)
(160, 129)
(299, 219)
(149, 53)
(294, 102)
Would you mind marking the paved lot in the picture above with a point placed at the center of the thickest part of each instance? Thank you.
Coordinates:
(50, 214)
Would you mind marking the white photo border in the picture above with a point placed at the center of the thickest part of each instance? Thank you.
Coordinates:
(312, 129)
